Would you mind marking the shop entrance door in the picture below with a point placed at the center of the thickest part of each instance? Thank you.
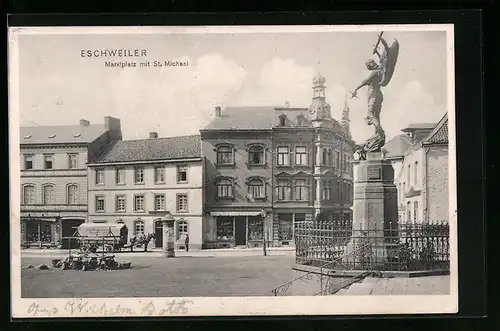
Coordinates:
(240, 231)
(158, 234)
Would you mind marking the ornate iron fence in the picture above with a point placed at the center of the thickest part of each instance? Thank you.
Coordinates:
(397, 247)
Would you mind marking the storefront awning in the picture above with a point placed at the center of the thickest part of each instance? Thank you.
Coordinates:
(235, 213)
(38, 219)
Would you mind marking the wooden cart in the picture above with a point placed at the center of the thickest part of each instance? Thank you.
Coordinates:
(102, 236)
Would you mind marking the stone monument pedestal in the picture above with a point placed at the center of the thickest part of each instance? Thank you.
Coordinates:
(375, 211)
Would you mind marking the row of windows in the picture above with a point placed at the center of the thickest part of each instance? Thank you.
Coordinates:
(159, 175)
(48, 194)
(300, 189)
(181, 227)
(256, 156)
(48, 161)
(139, 203)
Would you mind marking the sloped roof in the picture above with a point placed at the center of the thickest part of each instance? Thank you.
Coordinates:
(243, 118)
(397, 146)
(440, 133)
(152, 149)
(419, 126)
(61, 134)
(292, 116)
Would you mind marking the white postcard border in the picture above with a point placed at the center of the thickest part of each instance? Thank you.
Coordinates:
(226, 306)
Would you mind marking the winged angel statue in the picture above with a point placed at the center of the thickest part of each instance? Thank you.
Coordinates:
(380, 75)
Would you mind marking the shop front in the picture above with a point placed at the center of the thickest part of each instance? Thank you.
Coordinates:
(40, 232)
(237, 229)
(284, 227)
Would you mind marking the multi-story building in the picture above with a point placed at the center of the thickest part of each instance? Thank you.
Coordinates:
(436, 176)
(238, 176)
(136, 182)
(423, 174)
(293, 163)
(54, 177)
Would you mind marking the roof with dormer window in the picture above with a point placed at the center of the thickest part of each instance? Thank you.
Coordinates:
(62, 134)
(243, 118)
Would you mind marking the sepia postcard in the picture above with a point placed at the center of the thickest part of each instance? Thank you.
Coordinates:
(232, 171)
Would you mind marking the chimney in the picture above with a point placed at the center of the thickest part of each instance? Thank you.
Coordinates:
(218, 112)
(84, 123)
(113, 125)
(153, 135)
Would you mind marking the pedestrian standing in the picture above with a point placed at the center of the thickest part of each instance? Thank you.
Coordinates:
(186, 242)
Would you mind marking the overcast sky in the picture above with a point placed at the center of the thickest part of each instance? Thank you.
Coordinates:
(59, 87)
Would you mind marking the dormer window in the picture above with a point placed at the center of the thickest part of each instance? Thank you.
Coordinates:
(301, 121)
(225, 155)
(282, 119)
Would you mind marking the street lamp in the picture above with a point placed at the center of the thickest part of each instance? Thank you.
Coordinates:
(263, 214)
(168, 235)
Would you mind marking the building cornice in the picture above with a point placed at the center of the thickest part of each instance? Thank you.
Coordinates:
(58, 145)
(123, 163)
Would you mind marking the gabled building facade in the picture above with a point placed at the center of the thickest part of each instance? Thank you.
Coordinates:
(292, 163)
(136, 182)
(54, 177)
(422, 176)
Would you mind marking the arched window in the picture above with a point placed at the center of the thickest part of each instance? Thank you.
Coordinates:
(29, 194)
(256, 188)
(72, 194)
(225, 155)
(48, 194)
(256, 155)
(182, 229)
(224, 188)
(138, 227)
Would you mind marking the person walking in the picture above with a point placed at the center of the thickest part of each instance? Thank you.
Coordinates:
(186, 242)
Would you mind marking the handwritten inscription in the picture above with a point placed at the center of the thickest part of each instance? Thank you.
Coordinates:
(165, 308)
(37, 310)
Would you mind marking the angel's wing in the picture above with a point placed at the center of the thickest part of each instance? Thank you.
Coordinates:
(388, 61)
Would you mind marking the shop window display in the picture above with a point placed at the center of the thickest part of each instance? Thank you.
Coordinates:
(255, 228)
(225, 230)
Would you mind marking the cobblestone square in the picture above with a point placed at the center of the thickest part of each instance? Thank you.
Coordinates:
(161, 277)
